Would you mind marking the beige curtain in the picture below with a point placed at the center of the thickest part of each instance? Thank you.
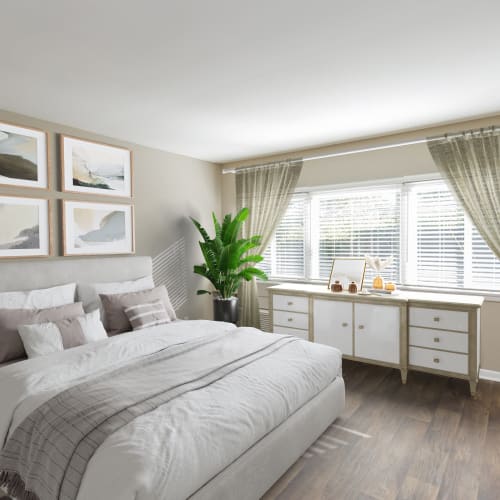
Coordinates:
(471, 164)
(266, 191)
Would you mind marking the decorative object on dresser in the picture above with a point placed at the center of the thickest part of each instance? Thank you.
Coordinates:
(378, 265)
(346, 270)
(24, 227)
(431, 332)
(97, 228)
(227, 263)
(23, 157)
(95, 168)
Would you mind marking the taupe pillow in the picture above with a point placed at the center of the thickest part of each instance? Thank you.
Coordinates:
(116, 320)
(11, 345)
(146, 315)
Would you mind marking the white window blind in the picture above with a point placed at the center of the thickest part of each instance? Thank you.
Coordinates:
(420, 224)
(286, 255)
(444, 247)
(354, 224)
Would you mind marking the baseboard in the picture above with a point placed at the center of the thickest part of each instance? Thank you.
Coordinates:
(489, 375)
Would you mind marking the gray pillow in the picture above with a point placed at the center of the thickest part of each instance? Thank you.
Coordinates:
(116, 320)
(11, 345)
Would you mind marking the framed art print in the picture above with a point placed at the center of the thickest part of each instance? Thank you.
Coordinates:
(24, 227)
(97, 228)
(91, 167)
(23, 157)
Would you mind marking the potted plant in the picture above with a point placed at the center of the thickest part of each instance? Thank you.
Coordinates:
(227, 263)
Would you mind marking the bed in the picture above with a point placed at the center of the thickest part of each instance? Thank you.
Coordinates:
(208, 410)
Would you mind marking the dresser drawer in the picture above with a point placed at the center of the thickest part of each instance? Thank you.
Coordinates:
(291, 319)
(291, 303)
(439, 318)
(437, 339)
(439, 360)
(301, 334)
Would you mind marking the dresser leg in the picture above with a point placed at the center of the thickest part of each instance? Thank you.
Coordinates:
(473, 387)
(404, 375)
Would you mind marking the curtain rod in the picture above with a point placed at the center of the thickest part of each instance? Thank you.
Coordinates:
(368, 149)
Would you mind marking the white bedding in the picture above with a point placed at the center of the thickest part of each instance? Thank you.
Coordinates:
(174, 450)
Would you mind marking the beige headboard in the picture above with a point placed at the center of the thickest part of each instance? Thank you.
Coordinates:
(31, 274)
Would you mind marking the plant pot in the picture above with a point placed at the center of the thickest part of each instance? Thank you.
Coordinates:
(226, 310)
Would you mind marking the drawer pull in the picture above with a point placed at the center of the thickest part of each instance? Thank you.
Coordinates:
(290, 303)
(436, 360)
(290, 319)
(436, 319)
(436, 339)
(344, 324)
(361, 327)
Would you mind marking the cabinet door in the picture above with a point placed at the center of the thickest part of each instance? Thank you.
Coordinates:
(376, 333)
(333, 324)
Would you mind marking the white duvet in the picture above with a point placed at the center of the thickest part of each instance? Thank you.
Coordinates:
(173, 451)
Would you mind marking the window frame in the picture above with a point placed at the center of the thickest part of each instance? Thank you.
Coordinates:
(404, 183)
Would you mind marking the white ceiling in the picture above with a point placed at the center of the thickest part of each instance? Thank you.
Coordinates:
(225, 79)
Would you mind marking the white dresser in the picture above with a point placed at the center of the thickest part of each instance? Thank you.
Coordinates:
(436, 333)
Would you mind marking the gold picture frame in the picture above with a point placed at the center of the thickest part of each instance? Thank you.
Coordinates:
(98, 164)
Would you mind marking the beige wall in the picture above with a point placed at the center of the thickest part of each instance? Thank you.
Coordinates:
(388, 163)
(168, 188)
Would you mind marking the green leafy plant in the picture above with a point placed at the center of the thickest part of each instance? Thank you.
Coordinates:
(226, 261)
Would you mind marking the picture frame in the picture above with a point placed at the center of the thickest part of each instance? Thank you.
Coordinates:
(348, 269)
(97, 228)
(25, 227)
(95, 168)
(24, 157)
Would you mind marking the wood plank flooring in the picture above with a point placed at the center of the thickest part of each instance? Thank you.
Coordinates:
(425, 440)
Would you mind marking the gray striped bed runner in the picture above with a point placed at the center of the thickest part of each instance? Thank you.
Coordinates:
(47, 454)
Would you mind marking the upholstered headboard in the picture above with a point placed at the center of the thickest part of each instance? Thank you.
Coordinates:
(31, 274)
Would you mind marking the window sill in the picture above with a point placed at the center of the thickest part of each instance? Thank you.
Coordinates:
(489, 295)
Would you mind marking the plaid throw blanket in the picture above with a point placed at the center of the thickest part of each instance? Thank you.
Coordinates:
(47, 454)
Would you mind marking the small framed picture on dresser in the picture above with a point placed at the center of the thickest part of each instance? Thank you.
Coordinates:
(24, 227)
(23, 157)
(95, 168)
(97, 228)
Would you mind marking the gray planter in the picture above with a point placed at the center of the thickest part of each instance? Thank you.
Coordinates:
(226, 310)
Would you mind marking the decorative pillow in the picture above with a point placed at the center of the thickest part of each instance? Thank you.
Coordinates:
(88, 294)
(82, 329)
(116, 320)
(44, 338)
(11, 345)
(148, 314)
(39, 299)
(39, 340)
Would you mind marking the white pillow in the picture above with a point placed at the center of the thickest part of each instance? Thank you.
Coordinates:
(88, 293)
(39, 299)
(92, 326)
(40, 339)
(45, 338)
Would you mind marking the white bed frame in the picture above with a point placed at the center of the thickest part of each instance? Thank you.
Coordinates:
(252, 474)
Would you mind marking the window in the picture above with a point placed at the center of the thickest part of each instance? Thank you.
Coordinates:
(433, 242)
(286, 255)
(353, 224)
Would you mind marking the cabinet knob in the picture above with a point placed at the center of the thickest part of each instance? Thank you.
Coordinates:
(361, 327)
(290, 303)
(344, 324)
(436, 360)
(436, 339)
(436, 319)
(290, 319)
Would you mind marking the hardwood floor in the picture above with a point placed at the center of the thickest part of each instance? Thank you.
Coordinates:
(425, 440)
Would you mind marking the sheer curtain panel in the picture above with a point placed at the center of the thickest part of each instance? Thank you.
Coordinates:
(266, 192)
(471, 164)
